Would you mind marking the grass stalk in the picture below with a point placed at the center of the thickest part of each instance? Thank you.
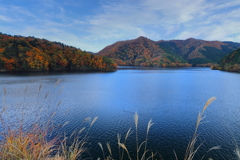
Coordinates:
(136, 126)
(148, 128)
(119, 148)
(100, 144)
(34, 144)
(191, 150)
(125, 148)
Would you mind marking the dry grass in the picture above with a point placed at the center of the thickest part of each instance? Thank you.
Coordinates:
(27, 145)
(141, 149)
(23, 144)
(20, 143)
(35, 141)
(191, 149)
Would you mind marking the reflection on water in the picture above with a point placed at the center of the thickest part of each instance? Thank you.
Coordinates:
(172, 98)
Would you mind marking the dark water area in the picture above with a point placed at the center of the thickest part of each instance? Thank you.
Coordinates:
(172, 98)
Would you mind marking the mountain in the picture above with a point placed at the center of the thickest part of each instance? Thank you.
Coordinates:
(231, 62)
(19, 53)
(141, 51)
(190, 52)
(232, 43)
(197, 51)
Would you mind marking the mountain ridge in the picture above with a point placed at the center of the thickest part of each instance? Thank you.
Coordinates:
(143, 51)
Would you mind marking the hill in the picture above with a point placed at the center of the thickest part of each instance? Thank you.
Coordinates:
(19, 53)
(231, 62)
(142, 52)
(190, 52)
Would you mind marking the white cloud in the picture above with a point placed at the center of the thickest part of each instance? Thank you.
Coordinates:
(11, 13)
(49, 23)
(222, 4)
(223, 16)
(163, 19)
(224, 31)
(21, 10)
(48, 3)
(79, 22)
(189, 34)
(176, 11)
(114, 20)
(151, 14)
(6, 19)
(228, 30)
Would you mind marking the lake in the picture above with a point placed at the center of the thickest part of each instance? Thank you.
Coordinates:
(172, 98)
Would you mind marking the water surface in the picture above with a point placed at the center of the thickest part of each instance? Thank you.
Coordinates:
(172, 98)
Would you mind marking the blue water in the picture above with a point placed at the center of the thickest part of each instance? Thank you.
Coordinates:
(172, 98)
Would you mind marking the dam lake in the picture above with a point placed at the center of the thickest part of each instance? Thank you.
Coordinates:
(170, 97)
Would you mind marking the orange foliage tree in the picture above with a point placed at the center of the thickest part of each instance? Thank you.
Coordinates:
(31, 54)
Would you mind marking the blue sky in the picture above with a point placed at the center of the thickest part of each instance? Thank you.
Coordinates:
(91, 25)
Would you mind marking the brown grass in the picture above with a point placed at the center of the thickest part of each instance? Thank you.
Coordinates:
(27, 145)
(20, 144)
(191, 149)
(123, 148)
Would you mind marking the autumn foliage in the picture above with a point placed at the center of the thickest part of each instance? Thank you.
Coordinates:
(19, 53)
(142, 52)
(174, 53)
(231, 62)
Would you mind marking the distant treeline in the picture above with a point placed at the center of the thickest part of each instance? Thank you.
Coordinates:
(18, 53)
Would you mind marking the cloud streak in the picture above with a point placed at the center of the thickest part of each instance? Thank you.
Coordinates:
(170, 19)
(96, 25)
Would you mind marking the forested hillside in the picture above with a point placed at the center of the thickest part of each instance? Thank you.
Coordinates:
(231, 62)
(142, 52)
(174, 53)
(196, 51)
(19, 53)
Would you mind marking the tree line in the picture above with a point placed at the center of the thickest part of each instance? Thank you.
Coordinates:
(18, 53)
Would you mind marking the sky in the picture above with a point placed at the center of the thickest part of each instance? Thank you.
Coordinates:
(92, 25)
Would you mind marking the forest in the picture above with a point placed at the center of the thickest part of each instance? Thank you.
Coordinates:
(174, 53)
(18, 53)
(231, 62)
